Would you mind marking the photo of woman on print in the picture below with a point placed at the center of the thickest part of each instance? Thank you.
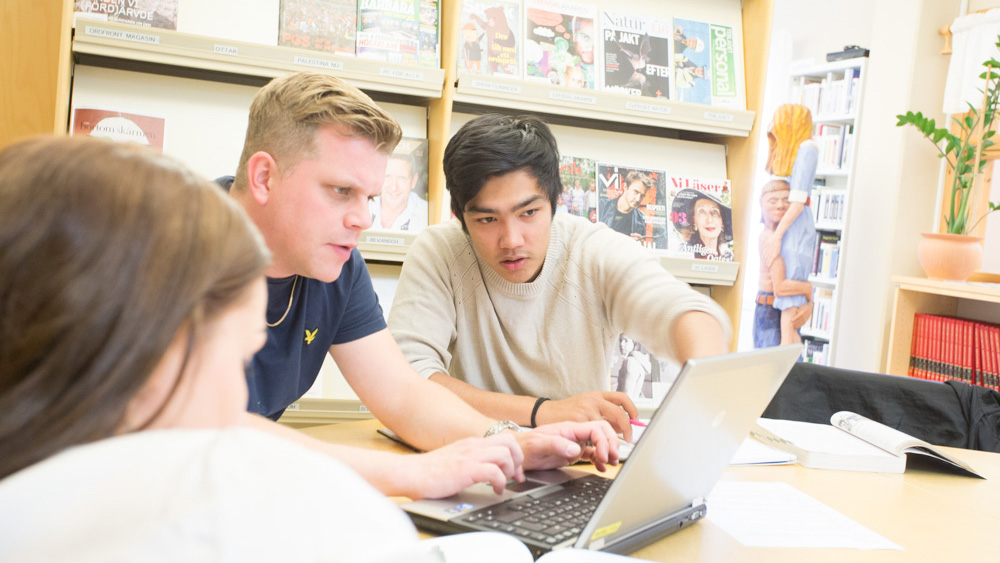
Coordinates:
(704, 223)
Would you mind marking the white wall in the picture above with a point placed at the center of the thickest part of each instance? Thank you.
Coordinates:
(818, 27)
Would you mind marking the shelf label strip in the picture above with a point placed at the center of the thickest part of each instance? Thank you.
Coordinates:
(401, 73)
(494, 86)
(319, 63)
(226, 50)
(132, 36)
(569, 97)
(648, 108)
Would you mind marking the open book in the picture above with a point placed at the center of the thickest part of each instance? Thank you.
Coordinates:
(852, 442)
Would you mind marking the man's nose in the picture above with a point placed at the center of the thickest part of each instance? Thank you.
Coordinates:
(358, 215)
(511, 236)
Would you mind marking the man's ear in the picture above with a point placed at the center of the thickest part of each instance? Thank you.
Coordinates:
(262, 170)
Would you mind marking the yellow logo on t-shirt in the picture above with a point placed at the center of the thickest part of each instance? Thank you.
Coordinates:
(310, 336)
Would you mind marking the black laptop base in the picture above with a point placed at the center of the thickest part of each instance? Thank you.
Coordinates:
(525, 519)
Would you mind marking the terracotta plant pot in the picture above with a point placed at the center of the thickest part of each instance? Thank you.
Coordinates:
(950, 257)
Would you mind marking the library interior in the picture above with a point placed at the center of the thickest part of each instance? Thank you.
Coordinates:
(557, 227)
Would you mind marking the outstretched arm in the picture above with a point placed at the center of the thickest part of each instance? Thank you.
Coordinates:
(435, 474)
(612, 406)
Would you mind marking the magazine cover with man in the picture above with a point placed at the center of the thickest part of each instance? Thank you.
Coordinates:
(692, 71)
(147, 13)
(701, 218)
(633, 201)
(636, 54)
(579, 181)
(490, 36)
(560, 44)
(402, 203)
(320, 25)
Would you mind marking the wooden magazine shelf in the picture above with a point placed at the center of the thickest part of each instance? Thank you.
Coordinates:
(499, 92)
(97, 41)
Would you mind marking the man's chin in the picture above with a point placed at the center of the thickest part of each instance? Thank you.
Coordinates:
(327, 275)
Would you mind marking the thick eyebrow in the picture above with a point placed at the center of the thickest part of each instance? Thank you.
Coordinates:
(488, 210)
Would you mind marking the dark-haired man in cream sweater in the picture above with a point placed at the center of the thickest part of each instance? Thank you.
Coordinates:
(516, 309)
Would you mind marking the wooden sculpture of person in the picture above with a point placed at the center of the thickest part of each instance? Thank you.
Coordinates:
(792, 156)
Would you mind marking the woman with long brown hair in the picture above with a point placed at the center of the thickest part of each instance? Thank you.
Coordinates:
(131, 295)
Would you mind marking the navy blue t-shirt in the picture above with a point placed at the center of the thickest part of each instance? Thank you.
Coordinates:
(322, 314)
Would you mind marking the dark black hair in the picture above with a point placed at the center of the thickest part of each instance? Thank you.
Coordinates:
(493, 145)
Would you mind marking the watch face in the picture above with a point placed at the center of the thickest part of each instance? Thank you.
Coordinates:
(500, 426)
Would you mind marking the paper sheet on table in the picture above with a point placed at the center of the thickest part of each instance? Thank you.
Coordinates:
(779, 515)
(752, 452)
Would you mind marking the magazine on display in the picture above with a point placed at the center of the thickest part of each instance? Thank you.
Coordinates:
(147, 13)
(119, 126)
(389, 30)
(429, 44)
(636, 55)
(692, 50)
(701, 218)
(402, 204)
(320, 25)
(723, 66)
(579, 181)
(633, 201)
(560, 45)
(490, 38)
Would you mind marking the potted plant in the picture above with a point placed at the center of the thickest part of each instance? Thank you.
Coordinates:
(956, 254)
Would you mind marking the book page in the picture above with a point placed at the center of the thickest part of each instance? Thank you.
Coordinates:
(876, 433)
(809, 440)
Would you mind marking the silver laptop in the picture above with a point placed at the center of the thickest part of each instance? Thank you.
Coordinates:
(662, 487)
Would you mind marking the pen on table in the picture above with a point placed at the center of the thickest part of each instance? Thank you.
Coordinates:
(635, 422)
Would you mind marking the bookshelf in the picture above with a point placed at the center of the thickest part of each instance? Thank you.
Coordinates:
(834, 94)
(978, 300)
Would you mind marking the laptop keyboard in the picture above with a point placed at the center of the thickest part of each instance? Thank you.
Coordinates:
(551, 519)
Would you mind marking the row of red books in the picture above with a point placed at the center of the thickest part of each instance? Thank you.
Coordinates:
(946, 348)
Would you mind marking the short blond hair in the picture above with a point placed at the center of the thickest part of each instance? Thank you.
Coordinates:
(286, 113)
(790, 127)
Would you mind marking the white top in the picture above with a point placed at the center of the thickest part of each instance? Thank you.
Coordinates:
(552, 337)
(412, 219)
(195, 495)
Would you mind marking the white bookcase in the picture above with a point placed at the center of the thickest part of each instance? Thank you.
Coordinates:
(834, 93)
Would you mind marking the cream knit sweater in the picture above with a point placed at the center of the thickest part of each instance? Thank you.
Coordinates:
(551, 337)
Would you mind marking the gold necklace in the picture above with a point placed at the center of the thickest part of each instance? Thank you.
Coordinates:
(289, 307)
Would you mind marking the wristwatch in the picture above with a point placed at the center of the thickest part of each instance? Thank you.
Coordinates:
(502, 425)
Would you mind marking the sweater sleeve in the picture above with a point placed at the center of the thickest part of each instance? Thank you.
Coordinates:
(422, 316)
(642, 299)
